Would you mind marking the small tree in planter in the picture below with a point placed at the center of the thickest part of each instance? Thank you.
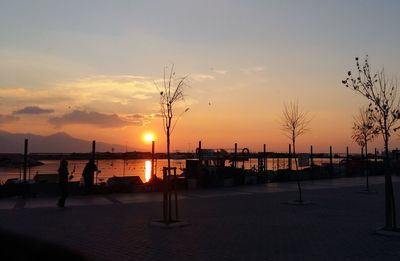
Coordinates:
(364, 131)
(171, 93)
(294, 123)
(381, 92)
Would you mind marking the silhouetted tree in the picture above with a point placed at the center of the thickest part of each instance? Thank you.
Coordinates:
(364, 131)
(294, 123)
(382, 95)
(171, 93)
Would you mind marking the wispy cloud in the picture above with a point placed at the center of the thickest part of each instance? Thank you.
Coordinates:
(33, 110)
(97, 119)
(254, 69)
(222, 72)
(100, 89)
(201, 77)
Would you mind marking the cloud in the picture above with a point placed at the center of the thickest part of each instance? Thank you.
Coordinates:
(94, 118)
(222, 72)
(34, 110)
(201, 77)
(117, 89)
(145, 118)
(254, 69)
(120, 94)
(7, 119)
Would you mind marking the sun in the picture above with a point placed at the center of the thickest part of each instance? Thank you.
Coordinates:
(148, 137)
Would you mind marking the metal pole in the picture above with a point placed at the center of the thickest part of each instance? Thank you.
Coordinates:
(176, 195)
(165, 195)
(93, 150)
(25, 159)
(290, 157)
(311, 156)
(169, 196)
(200, 154)
(153, 176)
(265, 158)
(277, 161)
(235, 156)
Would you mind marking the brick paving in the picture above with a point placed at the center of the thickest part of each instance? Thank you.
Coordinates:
(238, 223)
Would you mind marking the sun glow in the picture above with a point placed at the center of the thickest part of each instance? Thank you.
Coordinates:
(148, 137)
(147, 173)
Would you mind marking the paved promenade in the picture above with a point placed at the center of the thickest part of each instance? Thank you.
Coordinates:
(238, 223)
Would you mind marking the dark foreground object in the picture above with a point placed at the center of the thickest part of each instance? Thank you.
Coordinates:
(16, 247)
(239, 223)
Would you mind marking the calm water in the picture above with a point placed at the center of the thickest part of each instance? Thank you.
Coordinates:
(108, 168)
(134, 167)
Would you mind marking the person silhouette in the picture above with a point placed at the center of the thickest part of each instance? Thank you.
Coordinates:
(63, 182)
(88, 175)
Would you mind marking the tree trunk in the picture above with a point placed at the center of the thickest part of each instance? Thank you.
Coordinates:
(297, 170)
(367, 166)
(166, 175)
(390, 209)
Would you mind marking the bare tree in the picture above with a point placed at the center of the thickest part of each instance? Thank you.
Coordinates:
(364, 131)
(381, 92)
(171, 93)
(294, 123)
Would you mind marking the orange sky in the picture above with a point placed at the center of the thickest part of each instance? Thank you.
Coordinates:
(94, 78)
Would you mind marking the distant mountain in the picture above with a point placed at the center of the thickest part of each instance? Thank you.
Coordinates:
(59, 142)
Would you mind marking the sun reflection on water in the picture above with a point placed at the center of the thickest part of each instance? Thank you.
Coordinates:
(147, 170)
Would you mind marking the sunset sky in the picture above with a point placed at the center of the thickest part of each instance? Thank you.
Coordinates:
(88, 68)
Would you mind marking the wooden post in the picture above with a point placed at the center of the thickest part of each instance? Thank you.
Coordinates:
(347, 154)
(330, 156)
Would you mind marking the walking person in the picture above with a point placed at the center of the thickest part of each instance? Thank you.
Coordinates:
(88, 175)
(63, 182)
